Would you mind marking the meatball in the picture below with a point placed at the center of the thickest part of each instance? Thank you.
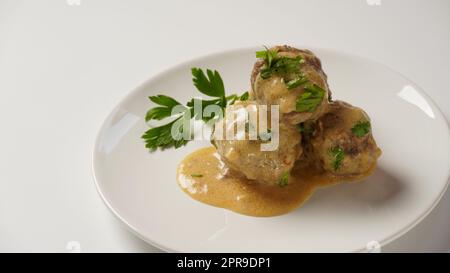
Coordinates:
(273, 90)
(343, 143)
(245, 156)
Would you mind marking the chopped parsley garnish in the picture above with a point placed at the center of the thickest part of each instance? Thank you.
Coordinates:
(337, 154)
(287, 68)
(172, 133)
(301, 80)
(361, 128)
(197, 175)
(267, 55)
(310, 99)
(284, 180)
(283, 66)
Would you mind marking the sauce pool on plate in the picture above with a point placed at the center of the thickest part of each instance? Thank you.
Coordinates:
(205, 178)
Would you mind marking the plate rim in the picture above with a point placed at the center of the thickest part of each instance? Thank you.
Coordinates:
(166, 70)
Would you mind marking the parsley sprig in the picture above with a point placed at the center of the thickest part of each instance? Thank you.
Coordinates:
(163, 111)
(210, 85)
(172, 133)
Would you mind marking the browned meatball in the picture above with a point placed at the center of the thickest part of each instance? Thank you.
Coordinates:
(274, 91)
(247, 158)
(343, 141)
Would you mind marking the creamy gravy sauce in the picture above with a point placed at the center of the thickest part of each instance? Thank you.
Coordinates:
(204, 177)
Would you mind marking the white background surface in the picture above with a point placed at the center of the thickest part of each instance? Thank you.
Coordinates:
(64, 67)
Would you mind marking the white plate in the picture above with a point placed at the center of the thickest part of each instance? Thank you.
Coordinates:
(140, 187)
